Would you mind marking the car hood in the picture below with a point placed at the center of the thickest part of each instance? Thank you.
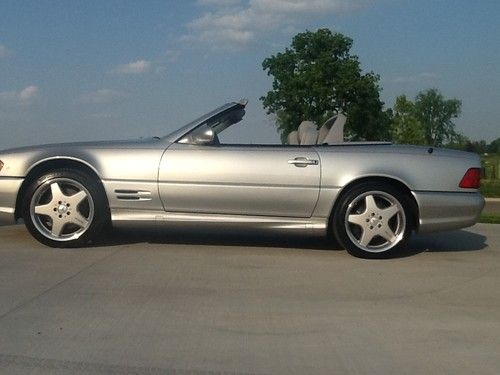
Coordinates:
(115, 144)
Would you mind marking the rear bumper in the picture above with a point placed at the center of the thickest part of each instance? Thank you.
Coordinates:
(9, 187)
(440, 211)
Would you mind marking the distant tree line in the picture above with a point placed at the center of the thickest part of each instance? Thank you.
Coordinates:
(318, 76)
(479, 147)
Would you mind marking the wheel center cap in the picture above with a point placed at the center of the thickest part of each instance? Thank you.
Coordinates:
(62, 209)
(374, 221)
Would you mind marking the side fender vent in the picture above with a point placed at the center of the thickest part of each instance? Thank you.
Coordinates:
(133, 195)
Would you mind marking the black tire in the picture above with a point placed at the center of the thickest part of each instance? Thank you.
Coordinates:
(373, 220)
(65, 208)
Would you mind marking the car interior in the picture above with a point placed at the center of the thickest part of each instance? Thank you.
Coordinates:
(307, 134)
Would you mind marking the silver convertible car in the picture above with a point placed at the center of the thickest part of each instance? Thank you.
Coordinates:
(369, 196)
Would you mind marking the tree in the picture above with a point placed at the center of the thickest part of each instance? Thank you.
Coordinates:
(435, 114)
(405, 127)
(460, 142)
(494, 147)
(316, 78)
(479, 147)
(428, 120)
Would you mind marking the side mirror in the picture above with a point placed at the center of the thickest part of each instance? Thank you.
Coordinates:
(202, 135)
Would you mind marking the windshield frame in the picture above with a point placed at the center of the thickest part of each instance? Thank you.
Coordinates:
(208, 118)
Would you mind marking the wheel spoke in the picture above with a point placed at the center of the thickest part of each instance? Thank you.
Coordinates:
(78, 219)
(388, 234)
(45, 209)
(55, 189)
(77, 198)
(357, 219)
(389, 212)
(370, 203)
(366, 238)
(57, 227)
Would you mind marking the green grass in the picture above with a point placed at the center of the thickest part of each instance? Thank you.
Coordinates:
(491, 187)
(490, 218)
(491, 158)
(490, 163)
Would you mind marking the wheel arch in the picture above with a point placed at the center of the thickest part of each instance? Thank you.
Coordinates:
(401, 186)
(48, 165)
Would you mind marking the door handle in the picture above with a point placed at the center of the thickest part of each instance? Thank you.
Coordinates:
(302, 162)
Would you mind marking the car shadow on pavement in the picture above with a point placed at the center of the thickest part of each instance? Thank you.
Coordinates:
(452, 241)
(120, 237)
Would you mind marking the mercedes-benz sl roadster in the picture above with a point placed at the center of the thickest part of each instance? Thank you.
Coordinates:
(370, 196)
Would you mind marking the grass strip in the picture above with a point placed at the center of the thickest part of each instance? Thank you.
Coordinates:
(490, 218)
(490, 188)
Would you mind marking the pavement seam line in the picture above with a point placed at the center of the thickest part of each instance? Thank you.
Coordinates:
(22, 304)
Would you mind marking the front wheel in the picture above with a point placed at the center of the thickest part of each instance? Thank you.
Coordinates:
(373, 220)
(65, 208)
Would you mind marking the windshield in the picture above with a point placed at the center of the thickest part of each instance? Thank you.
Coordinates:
(225, 120)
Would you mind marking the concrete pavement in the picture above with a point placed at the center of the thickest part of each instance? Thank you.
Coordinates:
(194, 305)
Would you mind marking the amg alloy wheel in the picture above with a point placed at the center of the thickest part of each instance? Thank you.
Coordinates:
(373, 220)
(65, 208)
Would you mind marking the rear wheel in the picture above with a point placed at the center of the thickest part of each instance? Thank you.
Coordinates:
(373, 220)
(65, 208)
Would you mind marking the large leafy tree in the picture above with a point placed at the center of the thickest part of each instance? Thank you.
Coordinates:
(318, 77)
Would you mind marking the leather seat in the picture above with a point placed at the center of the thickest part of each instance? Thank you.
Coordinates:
(293, 138)
(307, 133)
(334, 130)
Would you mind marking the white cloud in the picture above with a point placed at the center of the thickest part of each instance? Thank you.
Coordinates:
(28, 93)
(228, 29)
(305, 6)
(4, 51)
(22, 97)
(231, 25)
(135, 67)
(221, 30)
(425, 76)
(102, 96)
(219, 2)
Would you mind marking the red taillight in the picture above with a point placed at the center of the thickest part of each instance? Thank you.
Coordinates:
(471, 179)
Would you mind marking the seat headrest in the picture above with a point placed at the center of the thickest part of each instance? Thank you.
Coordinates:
(308, 133)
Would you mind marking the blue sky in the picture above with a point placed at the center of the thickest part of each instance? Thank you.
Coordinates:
(83, 70)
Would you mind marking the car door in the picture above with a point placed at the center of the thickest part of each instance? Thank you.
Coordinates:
(240, 179)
